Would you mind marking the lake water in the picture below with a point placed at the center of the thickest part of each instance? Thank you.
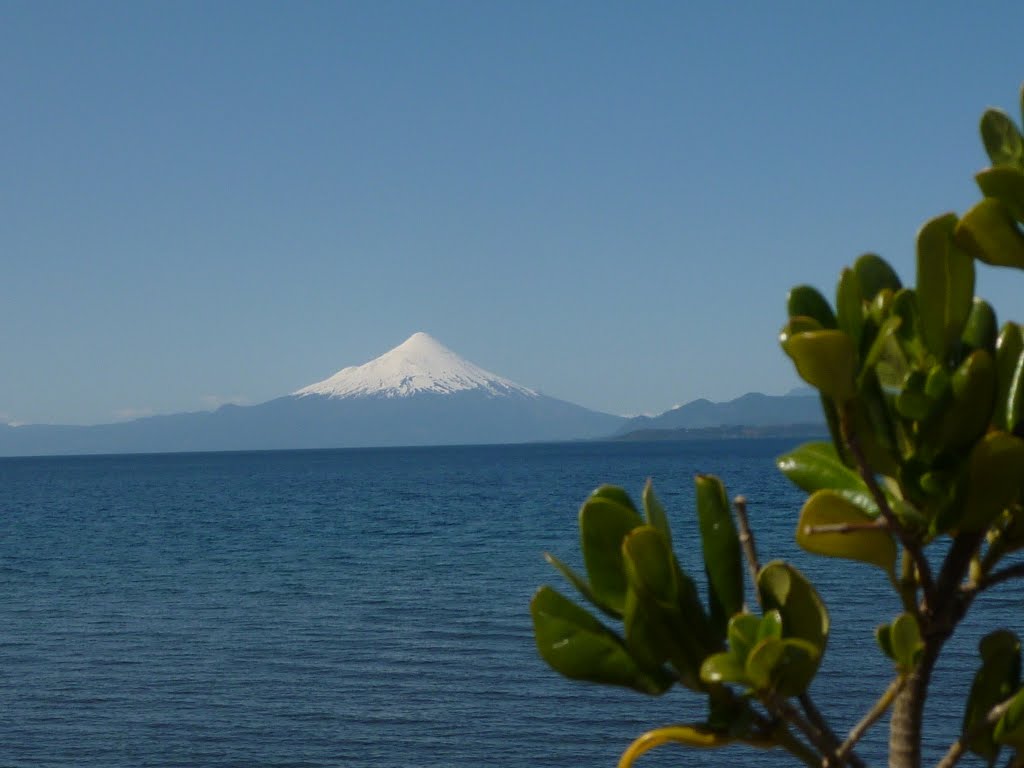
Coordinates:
(368, 608)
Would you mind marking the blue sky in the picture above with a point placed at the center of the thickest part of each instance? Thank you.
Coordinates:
(605, 201)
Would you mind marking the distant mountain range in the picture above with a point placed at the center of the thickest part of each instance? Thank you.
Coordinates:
(751, 410)
(419, 393)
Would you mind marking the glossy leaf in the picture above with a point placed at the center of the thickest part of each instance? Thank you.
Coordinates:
(945, 286)
(786, 666)
(989, 232)
(827, 507)
(1002, 140)
(1010, 727)
(995, 479)
(578, 646)
(827, 360)
(816, 466)
(663, 619)
(614, 493)
(1009, 406)
(743, 634)
(724, 668)
(604, 523)
(770, 626)
(582, 586)
(654, 512)
(803, 300)
(651, 565)
(973, 387)
(723, 560)
(698, 735)
(783, 588)
(1006, 184)
(874, 275)
(883, 636)
(906, 641)
(850, 305)
(996, 679)
(981, 328)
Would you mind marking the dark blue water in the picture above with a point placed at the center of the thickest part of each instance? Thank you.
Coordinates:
(365, 608)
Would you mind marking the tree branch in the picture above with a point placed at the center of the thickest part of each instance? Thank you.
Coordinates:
(815, 716)
(924, 571)
(1005, 574)
(958, 747)
(874, 525)
(747, 542)
(873, 715)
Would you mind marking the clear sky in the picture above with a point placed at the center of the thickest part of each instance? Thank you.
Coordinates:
(210, 202)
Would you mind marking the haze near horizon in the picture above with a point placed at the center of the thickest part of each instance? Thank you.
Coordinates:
(605, 203)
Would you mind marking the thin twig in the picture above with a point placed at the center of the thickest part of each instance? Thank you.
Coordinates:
(747, 542)
(815, 716)
(792, 715)
(924, 572)
(874, 525)
(871, 717)
(958, 747)
(1005, 574)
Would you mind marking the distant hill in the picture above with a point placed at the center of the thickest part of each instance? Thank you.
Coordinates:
(796, 431)
(753, 411)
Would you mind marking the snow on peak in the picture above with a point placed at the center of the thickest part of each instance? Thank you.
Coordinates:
(419, 364)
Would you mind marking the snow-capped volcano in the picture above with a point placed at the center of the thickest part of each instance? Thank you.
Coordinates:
(420, 364)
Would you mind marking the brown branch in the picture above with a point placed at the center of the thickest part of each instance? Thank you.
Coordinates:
(958, 747)
(815, 716)
(815, 735)
(747, 542)
(873, 715)
(924, 571)
(1005, 574)
(874, 525)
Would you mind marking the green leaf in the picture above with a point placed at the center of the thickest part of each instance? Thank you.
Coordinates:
(654, 513)
(770, 626)
(581, 585)
(604, 523)
(1010, 727)
(875, 275)
(906, 641)
(1002, 140)
(989, 233)
(651, 566)
(883, 636)
(615, 494)
(981, 328)
(723, 560)
(803, 300)
(827, 360)
(664, 620)
(850, 305)
(723, 668)
(816, 466)
(742, 633)
(578, 646)
(1009, 407)
(995, 479)
(974, 390)
(783, 588)
(996, 679)
(785, 666)
(1006, 184)
(945, 286)
(827, 507)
